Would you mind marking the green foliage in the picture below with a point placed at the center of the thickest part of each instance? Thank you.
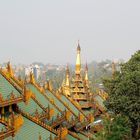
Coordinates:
(124, 92)
(118, 128)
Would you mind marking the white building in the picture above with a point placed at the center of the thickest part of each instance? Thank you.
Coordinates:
(35, 69)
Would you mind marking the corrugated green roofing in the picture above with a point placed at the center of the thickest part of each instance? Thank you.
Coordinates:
(69, 137)
(73, 108)
(57, 102)
(30, 131)
(30, 107)
(16, 83)
(42, 99)
(6, 88)
(99, 100)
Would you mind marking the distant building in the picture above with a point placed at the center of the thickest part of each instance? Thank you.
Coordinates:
(28, 70)
(34, 69)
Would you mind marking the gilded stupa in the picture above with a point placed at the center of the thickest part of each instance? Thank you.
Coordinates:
(78, 87)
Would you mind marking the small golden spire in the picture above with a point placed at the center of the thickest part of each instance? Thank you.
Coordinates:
(78, 47)
(67, 70)
(9, 69)
(32, 79)
(86, 72)
(50, 88)
(67, 77)
(78, 60)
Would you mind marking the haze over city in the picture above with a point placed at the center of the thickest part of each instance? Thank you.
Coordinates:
(47, 31)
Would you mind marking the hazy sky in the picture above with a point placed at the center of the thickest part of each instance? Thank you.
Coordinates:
(48, 30)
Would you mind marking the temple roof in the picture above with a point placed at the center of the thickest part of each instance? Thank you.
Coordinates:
(41, 101)
(30, 130)
(6, 88)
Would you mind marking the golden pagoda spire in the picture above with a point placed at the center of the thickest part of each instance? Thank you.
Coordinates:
(67, 77)
(78, 60)
(113, 69)
(32, 79)
(9, 69)
(86, 72)
(50, 88)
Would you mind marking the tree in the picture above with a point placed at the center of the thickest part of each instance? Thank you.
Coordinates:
(124, 92)
(116, 128)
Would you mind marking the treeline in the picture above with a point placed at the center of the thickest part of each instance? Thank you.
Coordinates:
(123, 102)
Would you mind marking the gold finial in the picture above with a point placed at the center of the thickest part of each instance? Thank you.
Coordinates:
(81, 117)
(9, 69)
(67, 76)
(78, 60)
(62, 132)
(32, 79)
(46, 85)
(78, 46)
(27, 94)
(67, 70)
(86, 72)
(50, 86)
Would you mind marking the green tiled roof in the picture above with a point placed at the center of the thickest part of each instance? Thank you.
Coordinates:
(30, 131)
(69, 137)
(13, 81)
(100, 100)
(57, 102)
(30, 107)
(6, 88)
(73, 108)
(42, 99)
